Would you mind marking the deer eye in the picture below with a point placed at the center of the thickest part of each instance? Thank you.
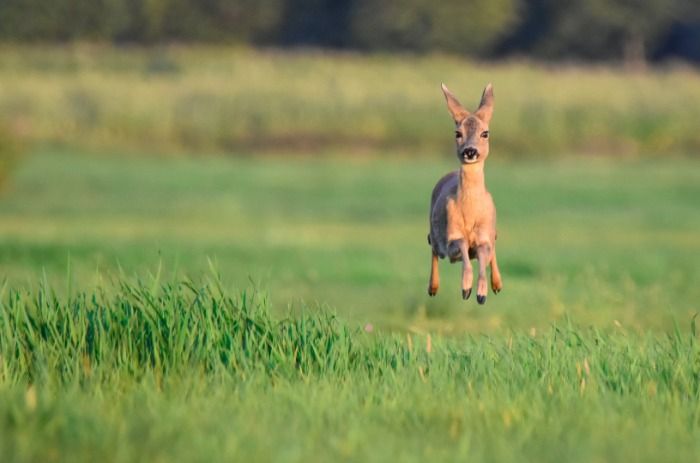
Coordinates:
(485, 134)
(458, 134)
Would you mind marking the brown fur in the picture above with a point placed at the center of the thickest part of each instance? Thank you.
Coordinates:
(462, 212)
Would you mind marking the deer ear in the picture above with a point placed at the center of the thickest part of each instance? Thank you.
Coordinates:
(453, 105)
(485, 110)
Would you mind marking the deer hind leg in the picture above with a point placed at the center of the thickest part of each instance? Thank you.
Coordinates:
(483, 253)
(434, 283)
(467, 273)
(496, 281)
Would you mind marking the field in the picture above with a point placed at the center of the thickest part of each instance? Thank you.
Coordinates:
(205, 297)
(198, 100)
(193, 373)
(500, 383)
(574, 238)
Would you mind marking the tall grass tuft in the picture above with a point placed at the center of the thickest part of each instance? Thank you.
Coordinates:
(184, 329)
(173, 329)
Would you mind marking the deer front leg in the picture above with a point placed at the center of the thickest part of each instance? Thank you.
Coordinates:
(455, 231)
(483, 253)
(434, 283)
(467, 274)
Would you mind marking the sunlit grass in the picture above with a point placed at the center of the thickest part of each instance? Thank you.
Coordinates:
(225, 99)
(596, 239)
(189, 370)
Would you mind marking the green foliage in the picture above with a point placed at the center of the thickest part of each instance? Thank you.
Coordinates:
(138, 21)
(39, 20)
(464, 27)
(606, 29)
(597, 29)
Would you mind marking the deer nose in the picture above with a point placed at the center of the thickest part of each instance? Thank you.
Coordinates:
(469, 153)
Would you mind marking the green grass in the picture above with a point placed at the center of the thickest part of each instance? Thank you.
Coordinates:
(189, 371)
(118, 343)
(229, 99)
(595, 239)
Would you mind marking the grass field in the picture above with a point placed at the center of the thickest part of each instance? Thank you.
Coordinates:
(220, 255)
(597, 239)
(191, 372)
(103, 355)
(195, 99)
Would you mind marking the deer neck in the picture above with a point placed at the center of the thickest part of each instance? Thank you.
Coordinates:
(471, 181)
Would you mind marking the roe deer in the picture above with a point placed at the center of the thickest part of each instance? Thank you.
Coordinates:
(462, 213)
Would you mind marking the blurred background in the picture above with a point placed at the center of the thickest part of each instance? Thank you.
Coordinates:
(293, 144)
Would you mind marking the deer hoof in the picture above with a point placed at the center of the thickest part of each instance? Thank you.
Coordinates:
(466, 293)
(432, 291)
(480, 299)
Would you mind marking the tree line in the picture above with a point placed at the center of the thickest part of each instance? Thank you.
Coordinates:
(631, 30)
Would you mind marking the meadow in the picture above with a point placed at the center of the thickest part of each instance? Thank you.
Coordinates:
(178, 286)
(191, 372)
(270, 309)
(597, 239)
(209, 99)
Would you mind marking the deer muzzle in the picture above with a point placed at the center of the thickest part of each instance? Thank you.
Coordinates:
(469, 154)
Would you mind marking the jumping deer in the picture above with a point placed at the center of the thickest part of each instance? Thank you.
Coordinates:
(462, 212)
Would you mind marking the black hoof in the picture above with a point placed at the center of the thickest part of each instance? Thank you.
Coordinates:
(432, 292)
(466, 293)
(480, 299)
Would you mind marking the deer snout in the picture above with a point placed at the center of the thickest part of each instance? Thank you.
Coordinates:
(469, 153)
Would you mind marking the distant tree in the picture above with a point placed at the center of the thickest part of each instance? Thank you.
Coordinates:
(629, 30)
(633, 24)
(35, 20)
(596, 29)
(316, 22)
(140, 20)
(469, 27)
(202, 20)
